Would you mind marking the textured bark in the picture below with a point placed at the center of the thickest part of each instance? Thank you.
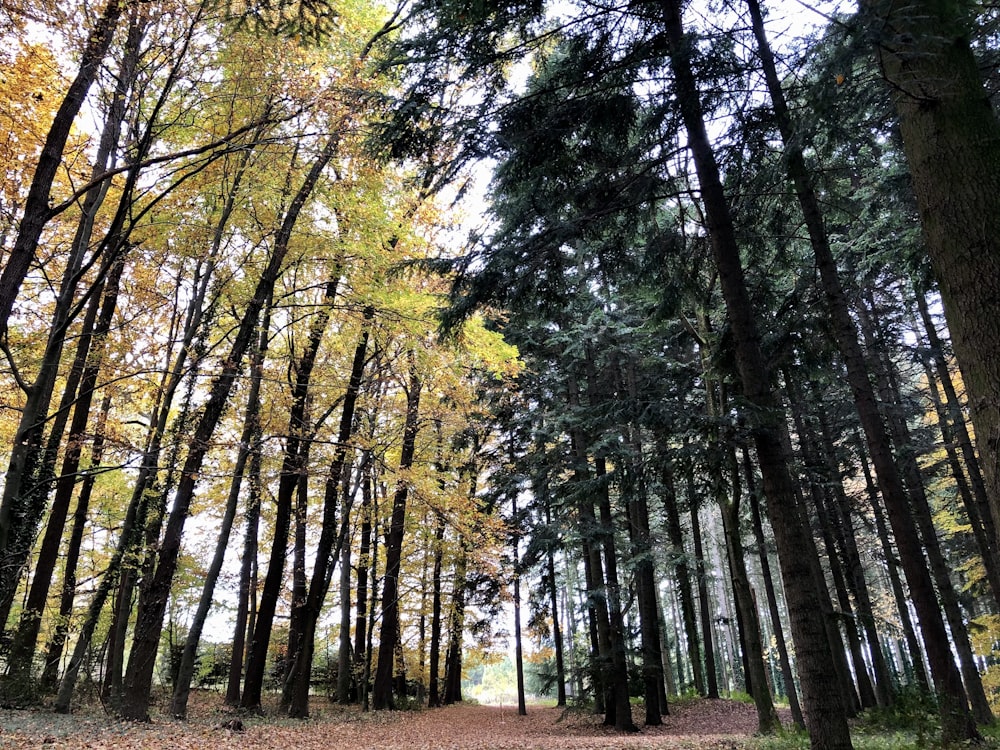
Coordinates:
(951, 137)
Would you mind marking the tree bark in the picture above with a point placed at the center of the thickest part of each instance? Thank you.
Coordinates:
(330, 541)
(951, 137)
(382, 697)
(825, 715)
(772, 600)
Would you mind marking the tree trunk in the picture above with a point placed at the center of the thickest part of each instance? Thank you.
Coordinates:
(772, 600)
(682, 572)
(87, 365)
(251, 430)
(150, 619)
(921, 513)
(767, 716)
(433, 688)
(892, 570)
(704, 607)
(825, 715)
(382, 697)
(37, 212)
(330, 541)
(364, 563)
(553, 591)
(951, 137)
(951, 419)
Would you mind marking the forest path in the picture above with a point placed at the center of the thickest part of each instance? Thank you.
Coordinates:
(692, 724)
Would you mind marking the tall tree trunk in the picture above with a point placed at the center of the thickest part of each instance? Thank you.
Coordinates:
(772, 600)
(244, 626)
(767, 716)
(522, 706)
(365, 562)
(553, 591)
(704, 607)
(87, 366)
(955, 432)
(637, 513)
(951, 137)
(330, 540)
(54, 651)
(892, 570)
(382, 697)
(37, 212)
(921, 513)
(150, 618)
(682, 572)
(859, 690)
(25, 494)
(433, 688)
(825, 715)
(456, 629)
(251, 428)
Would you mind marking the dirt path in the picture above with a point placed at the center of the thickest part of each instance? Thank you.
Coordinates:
(694, 724)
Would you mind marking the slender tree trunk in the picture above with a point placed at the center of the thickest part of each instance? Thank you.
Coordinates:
(772, 600)
(824, 713)
(892, 570)
(330, 541)
(37, 212)
(920, 511)
(553, 590)
(767, 716)
(954, 430)
(456, 629)
(251, 430)
(150, 619)
(25, 639)
(365, 557)
(54, 651)
(682, 572)
(382, 697)
(433, 690)
(704, 608)
(637, 513)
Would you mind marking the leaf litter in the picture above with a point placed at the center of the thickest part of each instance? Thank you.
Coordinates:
(691, 725)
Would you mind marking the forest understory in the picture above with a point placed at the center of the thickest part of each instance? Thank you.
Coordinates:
(693, 723)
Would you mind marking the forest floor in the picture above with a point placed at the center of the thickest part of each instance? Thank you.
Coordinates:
(691, 725)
